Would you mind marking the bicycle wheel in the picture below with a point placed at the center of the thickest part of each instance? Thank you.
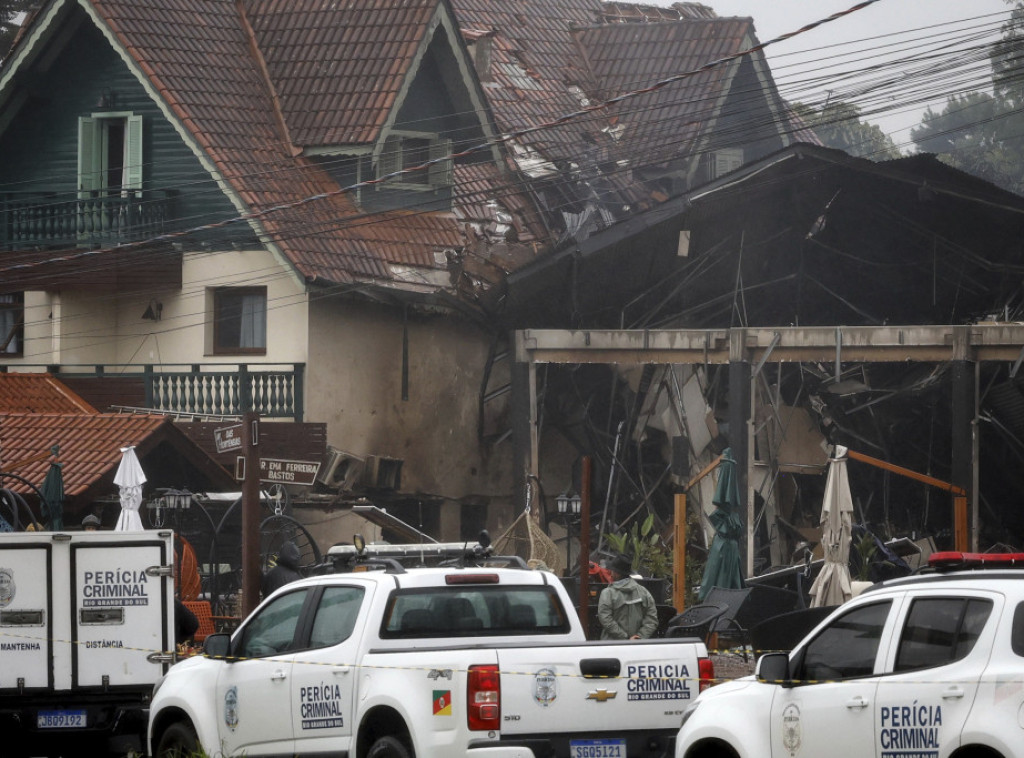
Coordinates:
(275, 531)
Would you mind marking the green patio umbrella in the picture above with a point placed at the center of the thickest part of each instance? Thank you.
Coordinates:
(53, 496)
(724, 566)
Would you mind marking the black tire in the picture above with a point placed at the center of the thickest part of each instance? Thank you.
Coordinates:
(389, 747)
(178, 741)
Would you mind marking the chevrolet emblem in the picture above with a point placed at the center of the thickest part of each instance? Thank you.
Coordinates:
(601, 695)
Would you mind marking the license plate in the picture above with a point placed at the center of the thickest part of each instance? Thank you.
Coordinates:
(60, 719)
(597, 748)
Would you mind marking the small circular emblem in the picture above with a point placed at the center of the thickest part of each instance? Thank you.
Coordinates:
(545, 687)
(231, 708)
(791, 737)
(7, 588)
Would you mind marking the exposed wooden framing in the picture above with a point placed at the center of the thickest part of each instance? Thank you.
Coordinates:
(975, 343)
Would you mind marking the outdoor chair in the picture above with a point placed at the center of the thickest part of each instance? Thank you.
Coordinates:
(780, 634)
(695, 621)
(747, 607)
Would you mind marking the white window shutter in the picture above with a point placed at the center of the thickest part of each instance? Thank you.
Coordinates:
(727, 159)
(440, 173)
(88, 156)
(133, 153)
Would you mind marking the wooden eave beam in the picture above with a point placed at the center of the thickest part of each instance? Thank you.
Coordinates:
(854, 344)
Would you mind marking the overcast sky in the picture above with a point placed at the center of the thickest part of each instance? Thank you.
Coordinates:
(885, 25)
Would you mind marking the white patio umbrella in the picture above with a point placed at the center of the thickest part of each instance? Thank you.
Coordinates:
(832, 586)
(129, 480)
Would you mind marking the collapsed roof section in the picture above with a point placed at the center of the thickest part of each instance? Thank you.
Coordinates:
(291, 108)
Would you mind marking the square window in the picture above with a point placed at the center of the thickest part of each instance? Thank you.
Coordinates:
(12, 324)
(239, 320)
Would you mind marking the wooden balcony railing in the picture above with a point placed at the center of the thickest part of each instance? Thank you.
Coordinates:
(50, 219)
(199, 390)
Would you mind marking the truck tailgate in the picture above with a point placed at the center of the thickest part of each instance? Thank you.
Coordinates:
(590, 689)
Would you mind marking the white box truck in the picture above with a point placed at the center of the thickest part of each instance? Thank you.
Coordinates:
(86, 629)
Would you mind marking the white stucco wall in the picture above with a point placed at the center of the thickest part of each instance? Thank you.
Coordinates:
(93, 327)
(181, 334)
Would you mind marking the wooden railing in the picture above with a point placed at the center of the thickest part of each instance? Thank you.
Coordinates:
(209, 391)
(199, 390)
(54, 219)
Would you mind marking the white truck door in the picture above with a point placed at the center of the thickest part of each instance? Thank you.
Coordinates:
(122, 610)
(253, 689)
(324, 674)
(27, 632)
(834, 705)
(925, 700)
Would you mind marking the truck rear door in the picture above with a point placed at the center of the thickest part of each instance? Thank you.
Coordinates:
(26, 616)
(597, 699)
(122, 610)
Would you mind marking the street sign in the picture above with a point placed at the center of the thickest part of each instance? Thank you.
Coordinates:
(278, 471)
(228, 438)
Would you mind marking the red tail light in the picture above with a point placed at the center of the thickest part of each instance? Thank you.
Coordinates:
(483, 696)
(706, 671)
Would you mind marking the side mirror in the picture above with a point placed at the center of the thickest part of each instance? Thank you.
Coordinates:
(773, 668)
(218, 646)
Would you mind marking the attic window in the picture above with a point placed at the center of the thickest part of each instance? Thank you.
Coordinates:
(12, 323)
(720, 162)
(403, 151)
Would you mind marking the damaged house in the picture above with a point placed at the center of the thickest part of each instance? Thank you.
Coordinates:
(313, 210)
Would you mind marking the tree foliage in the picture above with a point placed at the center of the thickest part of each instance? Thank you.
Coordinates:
(983, 133)
(10, 13)
(839, 125)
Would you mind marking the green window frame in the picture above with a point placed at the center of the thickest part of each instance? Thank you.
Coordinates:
(402, 150)
(110, 160)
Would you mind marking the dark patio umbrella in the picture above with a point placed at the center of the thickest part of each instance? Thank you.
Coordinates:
(724, 566)
(53, 496)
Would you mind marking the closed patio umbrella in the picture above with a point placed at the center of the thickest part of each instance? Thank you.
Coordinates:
(832, 585)
(52, 492)
(129, 480)
(724, 565)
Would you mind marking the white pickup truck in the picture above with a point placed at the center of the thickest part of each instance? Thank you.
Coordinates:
(927, 666)
(443, 661)
(86, 630)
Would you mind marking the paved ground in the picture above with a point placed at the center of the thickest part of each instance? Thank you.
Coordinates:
(731, 665)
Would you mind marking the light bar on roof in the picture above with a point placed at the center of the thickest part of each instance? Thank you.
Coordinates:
(958, 560)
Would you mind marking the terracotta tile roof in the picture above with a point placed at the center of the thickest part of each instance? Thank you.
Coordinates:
(89, 444)
(534, 63)
(659, 51)
(637, 12)
(253, 80)
(199, 57)
(338, 67)
(38, 393)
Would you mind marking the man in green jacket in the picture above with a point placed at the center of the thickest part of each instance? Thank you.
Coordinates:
(626, 610)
